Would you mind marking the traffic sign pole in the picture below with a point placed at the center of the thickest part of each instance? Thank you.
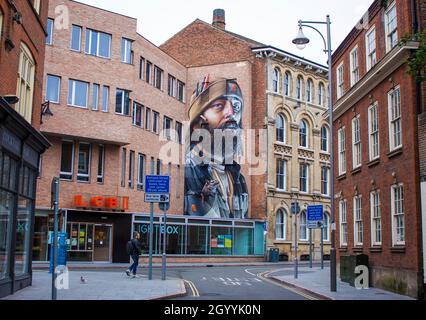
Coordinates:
(55, 193)
(322, 248)
(310, 248)
(151, 229)
(164, 246)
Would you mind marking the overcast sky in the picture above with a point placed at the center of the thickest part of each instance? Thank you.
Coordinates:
(272, 22)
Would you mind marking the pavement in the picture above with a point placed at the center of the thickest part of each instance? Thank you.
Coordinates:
(316, 281)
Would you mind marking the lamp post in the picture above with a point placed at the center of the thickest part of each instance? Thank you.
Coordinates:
(301, 41)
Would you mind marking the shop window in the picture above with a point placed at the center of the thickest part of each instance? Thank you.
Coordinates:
(198, 240)
(221, 241)
(6, 212)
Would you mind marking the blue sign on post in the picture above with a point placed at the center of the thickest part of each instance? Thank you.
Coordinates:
(61, 253)
(315, 217)
(157, 184)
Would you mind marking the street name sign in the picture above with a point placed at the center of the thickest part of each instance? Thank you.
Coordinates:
(315, 217)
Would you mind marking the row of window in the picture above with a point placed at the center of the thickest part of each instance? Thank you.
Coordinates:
(99, 44)
(397, 219)
(391, 40)
(287, 88)
(304, 133)
(281, 226)
(395, 132)
(304, 177)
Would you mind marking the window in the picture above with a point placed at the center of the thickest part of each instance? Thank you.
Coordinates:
(303, 134)
(309, 89)
(141, 172)
(324, 139)
(343, 223)
(340, 81)
(98, 43)
(376, 221)
(370, 44)
(53, 88)
(356, 142)
(304, 179)
(148, 119)
(179, 132)
(95, 97)
(181, 91)
(126, 51)
(123, 167)
(76, 38)
(325, 178)
(321, 94)
(398, 223)
(280, 124)
(276, 80)
(354, 66)
(342, 151)
(303, 227)
(373, 131)
(101, 164)
(122, 104)
(299, 87)
(25, 87)
(159, 165)
(287, 84)
(391, 24)
(167, 127)
(105, 98)
(148, 72)
(67, 160)
(141, 68)
(84, 155)
(358, 239)
(37, 4)
(281, 174)
(395, 130)
(138, 113)
(158, 78)
(78, 92)
(281, 225)
(172, 83)
(326, 228)
(131, 168)
(155, 117)
(50, 28)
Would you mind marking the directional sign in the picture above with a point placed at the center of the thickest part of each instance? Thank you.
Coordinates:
(157, 184)
(157, 198)
(315, 217)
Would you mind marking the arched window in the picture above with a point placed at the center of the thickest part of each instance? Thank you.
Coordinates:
(299, 88)
(321, 94)
(303, 235)
(281, 224)
(280, 125)
(324, 139)
(276, 80)
(287, 84)
(25, 89)
(303, 134)
(326, 230)
(309, 90)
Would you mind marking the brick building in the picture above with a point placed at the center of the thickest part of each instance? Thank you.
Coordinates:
(376, 111)
(22, 36)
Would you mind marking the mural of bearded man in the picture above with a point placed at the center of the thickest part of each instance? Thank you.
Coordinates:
(214, 185)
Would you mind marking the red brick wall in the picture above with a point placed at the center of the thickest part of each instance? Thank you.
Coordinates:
(32, 33)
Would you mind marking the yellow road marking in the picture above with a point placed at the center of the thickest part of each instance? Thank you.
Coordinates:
(195, 292)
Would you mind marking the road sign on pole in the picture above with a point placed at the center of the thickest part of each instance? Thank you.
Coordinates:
(315, 219)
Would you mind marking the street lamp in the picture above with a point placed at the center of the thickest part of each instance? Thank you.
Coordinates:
(301, 41)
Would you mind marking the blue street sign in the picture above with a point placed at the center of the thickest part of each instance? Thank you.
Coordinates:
(157, 184)
(315, 216)
(61, 253)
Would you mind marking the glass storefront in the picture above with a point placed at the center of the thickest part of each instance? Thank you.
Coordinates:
(6, 210)
(189, 236)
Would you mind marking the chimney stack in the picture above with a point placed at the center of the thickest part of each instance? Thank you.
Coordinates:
(219, 19)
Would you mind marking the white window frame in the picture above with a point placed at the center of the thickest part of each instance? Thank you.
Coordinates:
(89, 42)
(358, 221)
(394, 214)
(287, 84)
(356, 142)
(326, 228)
(142, 113)
(376, 218)
(105, 98)
(342, 150)
(354, 65)
(281, 226)
(59, 88)
(388, 33)
(126, 45)
(340, 80)
(100, 178)
(155, 122)
(25, 83)
(84, 175)
(123, 102)
(343, 213)
(306, 134)
(395, 116)
(299, 88)
(276, 80)
(371, 55)
(37, 5)
(72, 93)
(167, 133)
(49, 28)
(141, 160)
(158, 72)
(305, 226)
(373, 132)
(180, 84)
(327, 181)
(321, 94)
(281, 129)
(309, 91)
(307, 166)
(327, 139)
(79, 40)
(281, 173)
(171, 86)
(95, 97)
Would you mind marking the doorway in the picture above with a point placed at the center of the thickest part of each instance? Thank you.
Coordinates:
(102, 244)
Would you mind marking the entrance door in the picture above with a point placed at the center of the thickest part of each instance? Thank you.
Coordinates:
(102, 247)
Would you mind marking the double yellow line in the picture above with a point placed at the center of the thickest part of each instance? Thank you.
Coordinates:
(195, 292)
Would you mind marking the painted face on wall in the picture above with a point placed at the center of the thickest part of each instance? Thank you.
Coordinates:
(224, 113)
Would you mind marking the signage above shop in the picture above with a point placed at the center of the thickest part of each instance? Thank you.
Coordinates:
(100, 202)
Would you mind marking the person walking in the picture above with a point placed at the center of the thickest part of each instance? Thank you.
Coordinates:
(133, 250)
